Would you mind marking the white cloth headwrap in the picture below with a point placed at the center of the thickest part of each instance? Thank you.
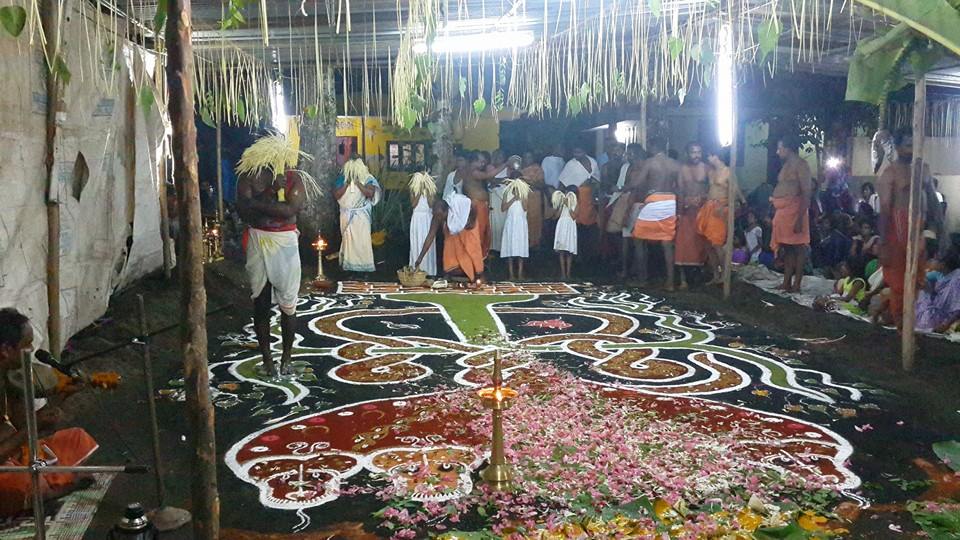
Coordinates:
(575, 174)
(458, 212)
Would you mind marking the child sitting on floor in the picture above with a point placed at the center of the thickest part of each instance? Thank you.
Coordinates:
(565, 239)
(848, 291)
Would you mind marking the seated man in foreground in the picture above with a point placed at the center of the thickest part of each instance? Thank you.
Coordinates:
(66, 447)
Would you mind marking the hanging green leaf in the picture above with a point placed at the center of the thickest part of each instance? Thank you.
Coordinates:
(207, 117)
(408, 118)
(575, 105)
(242, 109)
(619, 82)
(706, 54)
(676, 47)
(146, 99)
(13, 19)
(498, 100)
(479, 105)
(160, 16)
(311, 111)
(584, 93)
(61, 71)
(768, 36)
(655, 7)
(463, 87)
(872, 76)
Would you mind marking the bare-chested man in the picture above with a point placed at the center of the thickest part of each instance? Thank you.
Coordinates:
(893, 186)
(269, 203)
(791, 220)
(691, 189)
(475, 187)
(624, 209)
(712, 220)
(655, 183)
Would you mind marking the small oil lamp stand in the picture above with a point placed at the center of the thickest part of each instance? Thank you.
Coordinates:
(497, 398)
(321, 281)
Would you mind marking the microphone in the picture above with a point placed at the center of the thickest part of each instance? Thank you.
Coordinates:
(47, 359)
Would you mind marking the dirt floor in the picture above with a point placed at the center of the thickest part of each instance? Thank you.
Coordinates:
(926, 400)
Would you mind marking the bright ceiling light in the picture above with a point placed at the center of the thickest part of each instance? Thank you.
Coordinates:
(278, 108)
(834, 162)
(725, 95)
(483, 41)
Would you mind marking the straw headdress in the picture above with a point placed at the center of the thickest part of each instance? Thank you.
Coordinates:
(518, 188)
(278, 153)
(422, 184)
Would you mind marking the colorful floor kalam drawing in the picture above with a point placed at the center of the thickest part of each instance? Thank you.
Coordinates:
(372, 359)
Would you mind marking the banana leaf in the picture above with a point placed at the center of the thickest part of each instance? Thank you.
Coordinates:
(938, 20)
(872, 76)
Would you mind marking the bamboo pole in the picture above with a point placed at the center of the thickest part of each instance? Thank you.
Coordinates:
(914, 226)
(48, 20)
(193, 296)
(732, 191)
(219, 172)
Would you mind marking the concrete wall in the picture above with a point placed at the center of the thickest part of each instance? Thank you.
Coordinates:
(943, 155)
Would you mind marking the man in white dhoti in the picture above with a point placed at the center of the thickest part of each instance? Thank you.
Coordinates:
(269, 196)
(357, 192)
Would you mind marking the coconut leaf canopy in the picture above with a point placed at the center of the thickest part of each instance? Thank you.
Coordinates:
(583, 55)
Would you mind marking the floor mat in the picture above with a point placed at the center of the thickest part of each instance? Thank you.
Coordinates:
(72, 519)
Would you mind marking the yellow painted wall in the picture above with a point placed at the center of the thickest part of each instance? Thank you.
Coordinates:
(373, 133)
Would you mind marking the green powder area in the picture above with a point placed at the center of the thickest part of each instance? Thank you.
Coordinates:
(469, 312)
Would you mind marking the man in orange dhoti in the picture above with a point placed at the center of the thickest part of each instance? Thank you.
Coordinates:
(893, 186)
(691, 188)
(791, 221)
(712, 219)
(474, 187)
(655, 184)
(65, 447)
(532, 174)
(462, 248)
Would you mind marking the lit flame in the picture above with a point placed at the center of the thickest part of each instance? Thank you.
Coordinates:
(498, 394)
(320, 244)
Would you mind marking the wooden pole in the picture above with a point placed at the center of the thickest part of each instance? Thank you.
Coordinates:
(219, 173)
(164, 213)
(732, 191)
(51, 29)
(914, 226)
(193, 296)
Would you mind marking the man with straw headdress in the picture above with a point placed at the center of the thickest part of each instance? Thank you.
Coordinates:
(423, 190)
(357, 192)
(270, 194)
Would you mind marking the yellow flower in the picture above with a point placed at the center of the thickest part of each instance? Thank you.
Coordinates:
(378, 238)
(663, 510)
(748, 520)
(761, 393)
(811, 522)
